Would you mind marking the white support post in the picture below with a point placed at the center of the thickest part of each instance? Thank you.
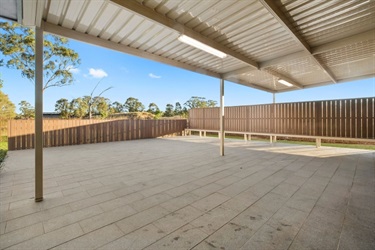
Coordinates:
(38, 114)
(249, 137)
(205, 133)
(200, 133)
(245, 137)
(222, 135)
(271, 139)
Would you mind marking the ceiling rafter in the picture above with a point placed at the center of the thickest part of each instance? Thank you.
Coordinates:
(69, 33)
(288, 79)
(283, 21)
(152, 15)
(245, 83)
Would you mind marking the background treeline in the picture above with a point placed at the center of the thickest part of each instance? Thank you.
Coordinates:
(101, 107)
(88, 107)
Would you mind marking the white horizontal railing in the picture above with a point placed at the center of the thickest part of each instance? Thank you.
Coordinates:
(273, 136)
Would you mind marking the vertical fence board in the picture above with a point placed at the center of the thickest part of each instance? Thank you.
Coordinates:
(67, 132)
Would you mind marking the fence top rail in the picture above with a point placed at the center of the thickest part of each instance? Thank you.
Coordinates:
(266, 104)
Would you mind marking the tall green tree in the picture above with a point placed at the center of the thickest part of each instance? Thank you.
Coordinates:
(63, 107)
(133, 105)
(17, 44)
(27, 111)
(101, 106)
(178, 109)
(92, 100)
(78, 108)
(117, 107)
(199, 102)
(211, 103)
(7, 108)
(169, 110)
(153, 109)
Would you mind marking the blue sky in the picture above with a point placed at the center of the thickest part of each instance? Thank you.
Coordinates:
(150, 81)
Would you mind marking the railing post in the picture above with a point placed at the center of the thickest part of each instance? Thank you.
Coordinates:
(318, 142)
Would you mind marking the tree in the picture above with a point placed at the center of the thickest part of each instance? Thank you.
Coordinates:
(117, 107)
(101, 106)
(78, 107)
(27, 111)
(92, 101)
(18, 44)
(153, 109)
(7, 108)
(199, 102)
(196, 102)
(169, 110)
(211, 103)
(178, 109)
(63, 106)
(133, 105)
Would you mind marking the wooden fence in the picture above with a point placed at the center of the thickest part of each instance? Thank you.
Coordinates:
(349, 118)
(73, 132)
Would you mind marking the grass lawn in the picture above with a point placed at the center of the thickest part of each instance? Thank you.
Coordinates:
(3, 150)
(339, 145)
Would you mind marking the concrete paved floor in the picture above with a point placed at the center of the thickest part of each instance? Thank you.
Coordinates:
(178, 193)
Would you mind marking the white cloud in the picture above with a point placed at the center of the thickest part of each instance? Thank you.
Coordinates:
(73, 70)
(154, 76)
(97, 73)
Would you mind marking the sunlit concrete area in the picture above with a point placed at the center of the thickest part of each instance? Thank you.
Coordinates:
(178, 193)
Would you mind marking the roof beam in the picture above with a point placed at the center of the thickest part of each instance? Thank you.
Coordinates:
(61, 31)
(280, 76)
(237, 72)
(272, 73)
(252, 85)
(283, 21)
(152, 15)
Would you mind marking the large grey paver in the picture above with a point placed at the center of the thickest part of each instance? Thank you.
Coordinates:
(71, 218)
(183, 238)
(356, 238)
(141, 219)
(26, 233)
(94, 239)
(106, 218)
(52, 239)
(136, 240)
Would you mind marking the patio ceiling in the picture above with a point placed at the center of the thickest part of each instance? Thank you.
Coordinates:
(306, 43)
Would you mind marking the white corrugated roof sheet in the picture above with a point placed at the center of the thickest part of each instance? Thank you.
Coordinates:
(305, 42)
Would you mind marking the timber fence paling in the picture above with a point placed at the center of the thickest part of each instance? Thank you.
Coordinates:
(65, 132)
(346, 118)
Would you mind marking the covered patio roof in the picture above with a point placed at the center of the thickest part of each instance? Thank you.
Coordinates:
(306, 43)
